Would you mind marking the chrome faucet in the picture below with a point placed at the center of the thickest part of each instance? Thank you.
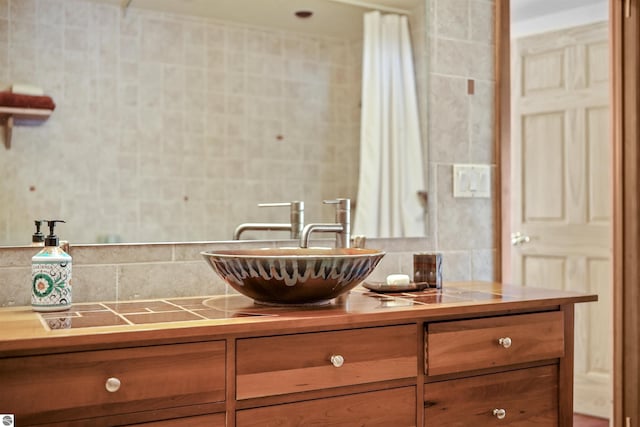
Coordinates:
(295, 226)
(341, 227)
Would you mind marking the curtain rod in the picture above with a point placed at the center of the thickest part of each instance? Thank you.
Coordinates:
(369, 5)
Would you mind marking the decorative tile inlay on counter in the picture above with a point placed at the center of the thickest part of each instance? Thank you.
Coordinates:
(135, 313)
(234, 306)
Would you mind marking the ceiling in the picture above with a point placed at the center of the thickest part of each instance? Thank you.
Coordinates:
(336, 18)
(527, 9)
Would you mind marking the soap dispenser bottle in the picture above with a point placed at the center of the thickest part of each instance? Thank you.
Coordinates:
(38, 238)
(51, 275)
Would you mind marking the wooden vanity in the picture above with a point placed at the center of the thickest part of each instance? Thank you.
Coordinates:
(471, 354)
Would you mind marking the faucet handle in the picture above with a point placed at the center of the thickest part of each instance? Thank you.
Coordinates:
(342, 203)
(296, 215)
(275, 205)
(296, 206)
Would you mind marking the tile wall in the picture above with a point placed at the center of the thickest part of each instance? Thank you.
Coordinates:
(459, 38)
(460, 130)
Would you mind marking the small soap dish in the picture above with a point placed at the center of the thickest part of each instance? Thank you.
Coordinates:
(384, 287)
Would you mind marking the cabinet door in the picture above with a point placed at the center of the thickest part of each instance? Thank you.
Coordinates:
(522, 398)
(386, 408)
(72, 386)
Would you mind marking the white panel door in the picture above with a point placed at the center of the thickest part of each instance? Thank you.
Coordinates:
(561, 189)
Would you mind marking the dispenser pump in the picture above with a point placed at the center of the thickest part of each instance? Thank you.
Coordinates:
(38, 237)
(52, 239)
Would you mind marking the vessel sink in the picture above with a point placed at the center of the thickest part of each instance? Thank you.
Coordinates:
(293, 276)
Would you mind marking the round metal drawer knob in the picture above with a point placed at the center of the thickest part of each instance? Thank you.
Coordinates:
(112, 385)
(337, 360)
(505, 342)
(499, 413)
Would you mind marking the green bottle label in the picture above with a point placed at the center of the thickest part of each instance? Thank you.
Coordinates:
(51, 285)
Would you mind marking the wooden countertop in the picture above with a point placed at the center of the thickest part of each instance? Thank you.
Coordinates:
(126, 323)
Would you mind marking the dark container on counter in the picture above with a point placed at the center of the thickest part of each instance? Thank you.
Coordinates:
(427, 267)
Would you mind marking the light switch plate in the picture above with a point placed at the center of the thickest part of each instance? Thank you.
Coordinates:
(461, 176)
(471, 180)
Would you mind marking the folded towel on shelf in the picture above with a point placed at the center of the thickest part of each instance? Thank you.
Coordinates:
(16, 100)
(26, 89)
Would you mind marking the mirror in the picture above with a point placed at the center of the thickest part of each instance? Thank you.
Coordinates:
(172, 124)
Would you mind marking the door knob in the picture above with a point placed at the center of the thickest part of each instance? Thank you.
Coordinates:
(518, 238)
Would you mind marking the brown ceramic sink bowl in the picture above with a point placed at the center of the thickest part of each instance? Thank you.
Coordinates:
(286, 276)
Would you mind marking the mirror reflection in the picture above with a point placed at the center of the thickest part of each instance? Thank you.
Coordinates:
(172, 124)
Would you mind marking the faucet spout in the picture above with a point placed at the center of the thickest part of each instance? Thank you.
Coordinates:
(259, 226)
(341, 227)
(325, 228)
(295, 226)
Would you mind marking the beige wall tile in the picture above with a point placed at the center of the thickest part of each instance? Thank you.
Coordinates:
(94, 283)
(453, 57)
(77, 13)
(15, 286)
(481, 123)
(452, 17)
(481, 20)
(139, 281)
(449, 119)
(482, 62)
(482, 264)
(19, 256)
(121, 254)
(23, 10)
(456, 266)
(23, 32)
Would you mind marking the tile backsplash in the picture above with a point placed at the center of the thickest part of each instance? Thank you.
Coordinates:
(163, 270)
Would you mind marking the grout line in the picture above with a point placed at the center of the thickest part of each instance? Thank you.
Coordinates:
(117, 314)
(186, 309)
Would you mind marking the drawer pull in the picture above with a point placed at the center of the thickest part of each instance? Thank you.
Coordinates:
(337, 360)
(499, 413)
(505, 342)
(112, 385)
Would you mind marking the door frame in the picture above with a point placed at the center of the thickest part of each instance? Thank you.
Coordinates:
(624, 31)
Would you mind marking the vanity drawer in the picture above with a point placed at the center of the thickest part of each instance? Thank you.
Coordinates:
(465, 345)
(213, 420)
(76, 385)
(394, 407)
(525, 397)
(294, 363)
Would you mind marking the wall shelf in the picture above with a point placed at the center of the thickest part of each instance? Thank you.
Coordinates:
(12, 115)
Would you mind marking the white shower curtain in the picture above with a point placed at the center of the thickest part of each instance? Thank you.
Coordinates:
(391, 162)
